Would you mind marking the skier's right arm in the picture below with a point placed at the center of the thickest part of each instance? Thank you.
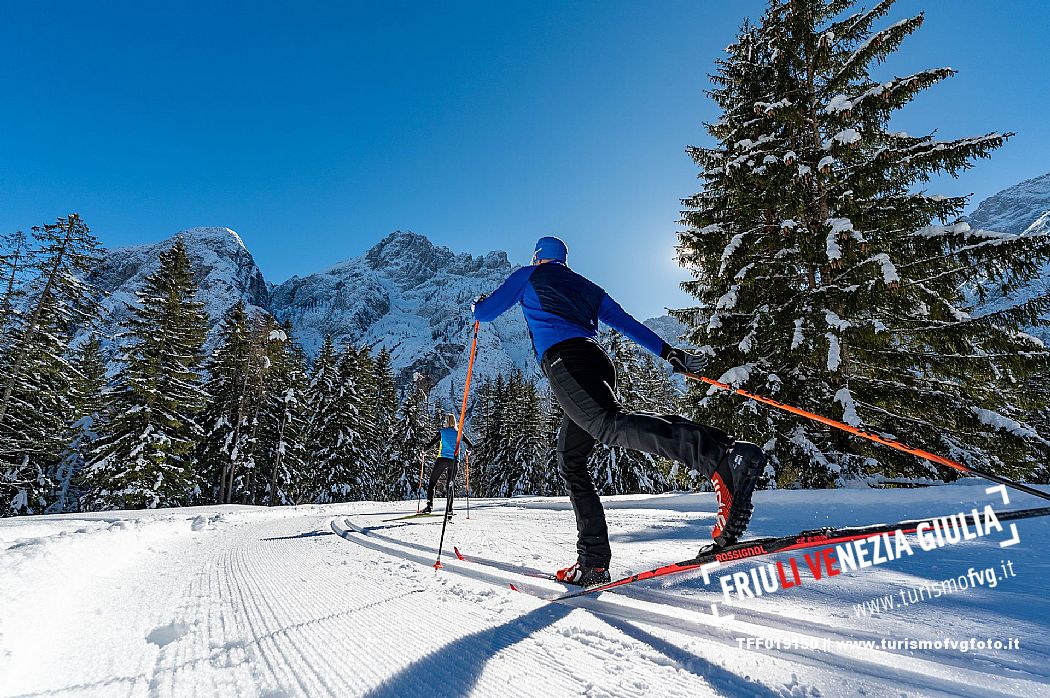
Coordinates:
(433, 442)
(488, 308)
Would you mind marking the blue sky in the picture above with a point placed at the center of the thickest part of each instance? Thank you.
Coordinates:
(314, 129)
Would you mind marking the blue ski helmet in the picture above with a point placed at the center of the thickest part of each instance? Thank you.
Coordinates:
(550, 248)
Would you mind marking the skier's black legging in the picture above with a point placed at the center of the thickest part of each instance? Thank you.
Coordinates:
(583, 380)
(440, 466)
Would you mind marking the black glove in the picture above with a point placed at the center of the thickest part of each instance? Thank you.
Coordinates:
(480, 298)
(682, 361)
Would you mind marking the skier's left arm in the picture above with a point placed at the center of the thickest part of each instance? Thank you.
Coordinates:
(620, 320)
(466, 440)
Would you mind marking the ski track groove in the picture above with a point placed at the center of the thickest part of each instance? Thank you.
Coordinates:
(875, 668)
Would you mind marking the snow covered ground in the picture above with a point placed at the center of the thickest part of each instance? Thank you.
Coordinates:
(242, 601)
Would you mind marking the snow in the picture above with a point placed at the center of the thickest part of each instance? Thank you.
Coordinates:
(796, 338)
(835, 322)
(837, 226)
(736, 376)
(846, 136)
(849, 408)
(728, 300)
(732, 247)
(834, 351)
(838, 103)
(268, 602)
(1004, 423)
(889, 271)
(834, 251)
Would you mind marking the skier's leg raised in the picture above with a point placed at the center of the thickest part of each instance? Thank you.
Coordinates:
(582, 379)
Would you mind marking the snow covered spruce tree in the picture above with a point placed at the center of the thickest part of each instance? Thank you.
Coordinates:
(88, 386)
(550, 422)
(282, 420)
(14, 260)
(488, 419)
(829, 279)
(335, 433)
(45, 301)
(143, 457)
(413, 430)
(382, 439)
(525, 449)
(321, 396)
(236, 370)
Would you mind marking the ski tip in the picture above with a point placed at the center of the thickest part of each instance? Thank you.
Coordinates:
(458, 554)
(512, 587)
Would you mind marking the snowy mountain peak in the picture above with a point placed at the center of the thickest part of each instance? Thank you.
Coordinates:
(210, 234)
(1022, 208)
(1013, 209)
(223, 269)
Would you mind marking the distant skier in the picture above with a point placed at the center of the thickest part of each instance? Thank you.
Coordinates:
(562, 310)
(446, 460)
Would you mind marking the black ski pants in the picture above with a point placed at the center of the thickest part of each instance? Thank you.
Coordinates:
(583, 380)
(438, 469)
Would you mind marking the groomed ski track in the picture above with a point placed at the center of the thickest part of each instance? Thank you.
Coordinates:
(238, 601)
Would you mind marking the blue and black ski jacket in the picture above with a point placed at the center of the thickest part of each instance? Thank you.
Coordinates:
(560, 304)
(447, 437)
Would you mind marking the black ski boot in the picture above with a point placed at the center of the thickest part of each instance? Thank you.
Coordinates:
(583, 576)
(428, 509)
(734, 481)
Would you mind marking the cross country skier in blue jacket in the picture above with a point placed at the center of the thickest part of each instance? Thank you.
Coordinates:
(562, 310)
(446, 459)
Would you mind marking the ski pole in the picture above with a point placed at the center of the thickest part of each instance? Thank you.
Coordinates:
(459, 438)
(917, 452)
(468, 483)
(419, 490)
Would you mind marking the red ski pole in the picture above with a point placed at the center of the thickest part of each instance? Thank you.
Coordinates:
(917, 452)
(459, 438)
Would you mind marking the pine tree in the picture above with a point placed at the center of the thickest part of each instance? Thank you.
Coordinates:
(490, 424)
(88, 386)
(552, 483)
(389, 482)
(143, 455)
(36, 431)
(367, 450)
(44, 301)
(282, 420)
(414, 429)
(828, 279)
(340, 469)
(66, 253)
(526, 447)
(14, 260)
(226, 453)
(321, 396)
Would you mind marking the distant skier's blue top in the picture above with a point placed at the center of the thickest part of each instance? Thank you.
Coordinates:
(560, 304)
(448, 443)
(447, 437)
